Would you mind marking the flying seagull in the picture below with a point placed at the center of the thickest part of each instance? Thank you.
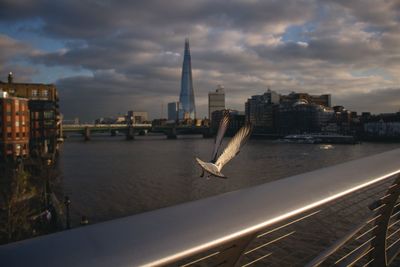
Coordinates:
(214, 167)
(223, 126)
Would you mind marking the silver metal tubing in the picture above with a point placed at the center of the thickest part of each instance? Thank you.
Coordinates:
(287, 224)
(268, 243)
(337, 245)
(393, 224)
(391, 245)
(366, 232)
(395, 214)
(355, 253)
(358, 257)
(201, 259)
(258, 259)
(368, 263)
(392, 234)
(167, 235)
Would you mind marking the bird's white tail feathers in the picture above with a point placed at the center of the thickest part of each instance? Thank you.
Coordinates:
(210, 168)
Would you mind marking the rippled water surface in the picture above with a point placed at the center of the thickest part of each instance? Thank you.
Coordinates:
(109, 177)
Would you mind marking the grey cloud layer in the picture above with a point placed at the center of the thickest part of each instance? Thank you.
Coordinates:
(134, 50)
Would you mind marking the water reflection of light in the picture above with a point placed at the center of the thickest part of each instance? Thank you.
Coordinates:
(326, 147)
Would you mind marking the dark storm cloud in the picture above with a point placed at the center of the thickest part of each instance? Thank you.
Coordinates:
(14, 50)
(134, 49)
(11, 48)
(370, 101)
(85, 19)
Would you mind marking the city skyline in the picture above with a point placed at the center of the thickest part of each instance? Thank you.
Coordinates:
(128, 56)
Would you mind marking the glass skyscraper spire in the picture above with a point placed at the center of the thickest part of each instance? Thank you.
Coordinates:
(187, 107)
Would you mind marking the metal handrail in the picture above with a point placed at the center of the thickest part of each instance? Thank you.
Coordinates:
(167, 235)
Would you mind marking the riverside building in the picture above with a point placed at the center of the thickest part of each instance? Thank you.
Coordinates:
(14, 127)
(45, 118)
(216, 100)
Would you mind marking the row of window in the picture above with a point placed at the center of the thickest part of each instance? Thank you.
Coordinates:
(17, 135)
(44, 93)
(19, 148)
(17, 113)
(17, 123)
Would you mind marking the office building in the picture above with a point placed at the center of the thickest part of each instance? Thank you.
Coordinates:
(382, 127)
(187, 109)
(302, 117)
(137, 117)
(323, 100)
(261, 111)
(236, 120)
(173, 111)
(44, 126)
(216, 100)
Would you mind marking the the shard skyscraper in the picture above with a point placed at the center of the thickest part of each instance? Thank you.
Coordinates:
(187, 109)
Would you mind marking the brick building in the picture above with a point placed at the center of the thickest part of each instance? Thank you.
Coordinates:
(14, 127)
(45, 117)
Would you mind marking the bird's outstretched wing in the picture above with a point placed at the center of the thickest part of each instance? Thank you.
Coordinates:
(233, 148)
(223, 126)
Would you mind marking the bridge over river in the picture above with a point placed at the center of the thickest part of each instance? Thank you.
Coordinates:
(171, 131)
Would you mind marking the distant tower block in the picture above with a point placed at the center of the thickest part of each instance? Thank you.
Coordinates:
(216, 100)
(186, 98)
(10, 77)
(173, 110)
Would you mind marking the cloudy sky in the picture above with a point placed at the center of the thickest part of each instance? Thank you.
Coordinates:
(107, 57)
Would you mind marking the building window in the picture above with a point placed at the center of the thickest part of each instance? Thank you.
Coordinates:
(17, 123)
(49, 114)
(9, 135)
(45, 93)
(34, 92)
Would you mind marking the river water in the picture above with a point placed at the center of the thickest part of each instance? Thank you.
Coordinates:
(109, 177)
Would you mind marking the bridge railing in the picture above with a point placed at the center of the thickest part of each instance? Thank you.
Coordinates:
(105, 125)
(345, 215)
